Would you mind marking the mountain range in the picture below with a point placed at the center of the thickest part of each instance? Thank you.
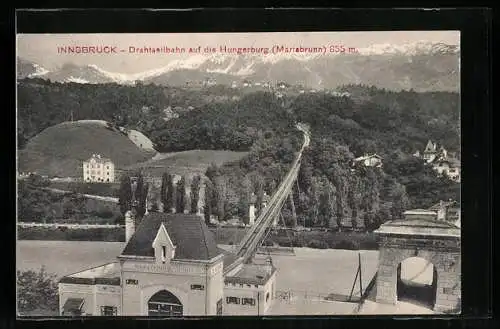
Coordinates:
(422, 66)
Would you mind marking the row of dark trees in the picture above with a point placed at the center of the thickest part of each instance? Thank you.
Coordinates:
(126, 195)
(227, 197)
(173, 196)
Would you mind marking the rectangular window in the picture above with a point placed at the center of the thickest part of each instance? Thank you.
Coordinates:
(108, 310)
(197, 287)
(132, 281)
(248, 301)
(163, 253)
(232, 300)
(219, 307)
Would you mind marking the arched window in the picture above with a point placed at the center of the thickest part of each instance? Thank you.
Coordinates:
(165, 304)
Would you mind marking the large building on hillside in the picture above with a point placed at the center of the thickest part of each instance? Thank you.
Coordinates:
(170, 266)
(430, 151)
(98, 170)
(366, 160)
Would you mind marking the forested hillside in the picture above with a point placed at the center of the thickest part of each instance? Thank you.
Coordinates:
(42, 104)
(330, 192)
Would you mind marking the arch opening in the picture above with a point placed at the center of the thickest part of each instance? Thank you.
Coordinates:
(164, 304)
(417, 282)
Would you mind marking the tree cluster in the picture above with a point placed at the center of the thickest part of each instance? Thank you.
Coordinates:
(37, 293)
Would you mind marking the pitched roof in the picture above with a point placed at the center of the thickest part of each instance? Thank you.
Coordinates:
(251, 274)
(189, 233)
(452, 162)
(430, 147)
(451, 203)
(419, 226)
(361, 158)
(98, 158)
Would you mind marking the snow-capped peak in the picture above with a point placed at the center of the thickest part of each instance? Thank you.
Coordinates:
(415, 48)
(39, 70)
(241, 65)
(76, 80)
(116, 77)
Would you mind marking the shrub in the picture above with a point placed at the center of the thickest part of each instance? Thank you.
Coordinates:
(69, 234)
(288, 243)
(347, 245)
(317, 244)
(370, 243)
(332, 243)
(268, 243)
(284, 243)
(106, 213)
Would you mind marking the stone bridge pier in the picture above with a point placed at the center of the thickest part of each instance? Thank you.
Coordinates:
(435, 242)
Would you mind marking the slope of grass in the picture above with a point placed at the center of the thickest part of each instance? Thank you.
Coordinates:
(186, 162)
(59, 150)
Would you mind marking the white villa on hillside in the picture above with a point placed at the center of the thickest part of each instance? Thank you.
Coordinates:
(373, 160)
(98, 170)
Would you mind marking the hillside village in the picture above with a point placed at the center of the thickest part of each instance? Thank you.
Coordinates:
(441, 161)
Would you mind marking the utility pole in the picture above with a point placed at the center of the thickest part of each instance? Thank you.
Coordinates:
(258, 303)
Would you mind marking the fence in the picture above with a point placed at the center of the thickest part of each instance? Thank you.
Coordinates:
(290, 296)
(110, 226)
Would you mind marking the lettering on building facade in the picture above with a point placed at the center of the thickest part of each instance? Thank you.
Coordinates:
(164, 268)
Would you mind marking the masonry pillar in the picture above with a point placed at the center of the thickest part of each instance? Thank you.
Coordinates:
(387, 277)
(251, 213)
(448, 292)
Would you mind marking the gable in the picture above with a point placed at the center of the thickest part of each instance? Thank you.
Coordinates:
(162, 238)
(163, 247)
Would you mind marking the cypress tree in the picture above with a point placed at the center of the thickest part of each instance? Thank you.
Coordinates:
(125, 195)
(181, 196)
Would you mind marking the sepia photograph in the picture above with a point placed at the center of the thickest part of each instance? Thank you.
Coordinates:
(228, 174)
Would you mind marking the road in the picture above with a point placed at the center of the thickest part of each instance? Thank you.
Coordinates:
(89, 196)
(57, 225)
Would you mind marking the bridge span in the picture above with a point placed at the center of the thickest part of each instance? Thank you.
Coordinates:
(254, 237)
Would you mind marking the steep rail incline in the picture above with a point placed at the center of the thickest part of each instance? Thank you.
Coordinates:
(253, 238)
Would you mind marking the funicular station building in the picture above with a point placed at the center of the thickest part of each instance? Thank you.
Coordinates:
(170, 266)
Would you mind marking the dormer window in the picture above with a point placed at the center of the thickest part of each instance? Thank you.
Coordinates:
(163, 253)
(164, 249)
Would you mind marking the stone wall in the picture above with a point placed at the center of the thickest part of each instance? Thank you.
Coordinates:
(443, 253)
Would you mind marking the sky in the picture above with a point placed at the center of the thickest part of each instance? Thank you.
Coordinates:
(43, 48)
